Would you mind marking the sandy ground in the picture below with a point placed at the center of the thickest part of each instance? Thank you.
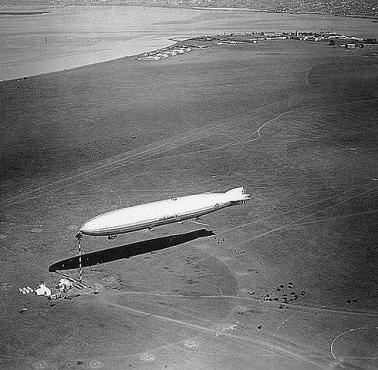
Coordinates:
(287, 281)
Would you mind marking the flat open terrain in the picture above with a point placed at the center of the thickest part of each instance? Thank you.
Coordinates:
(288, 281)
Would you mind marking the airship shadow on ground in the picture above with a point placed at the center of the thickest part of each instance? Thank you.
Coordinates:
(129, 250)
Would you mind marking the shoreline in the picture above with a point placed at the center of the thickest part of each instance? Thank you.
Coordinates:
(106, 52)
(169, 42)
(226, 9)
(290, 13)
(21, 14)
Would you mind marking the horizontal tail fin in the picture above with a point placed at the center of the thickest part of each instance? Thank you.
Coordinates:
(237, 195)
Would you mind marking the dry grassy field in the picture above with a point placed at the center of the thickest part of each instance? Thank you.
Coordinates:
(287, 281)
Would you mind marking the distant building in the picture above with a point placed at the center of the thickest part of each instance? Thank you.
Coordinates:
(370, 41)
(346, 43)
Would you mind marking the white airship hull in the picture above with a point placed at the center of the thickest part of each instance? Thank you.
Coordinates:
(160, 213)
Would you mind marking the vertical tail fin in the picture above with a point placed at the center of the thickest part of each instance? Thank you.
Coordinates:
(237, 195)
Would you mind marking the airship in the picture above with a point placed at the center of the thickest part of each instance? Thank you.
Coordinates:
(151, 215)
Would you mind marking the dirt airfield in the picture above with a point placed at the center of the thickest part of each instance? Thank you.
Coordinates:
(287, 281)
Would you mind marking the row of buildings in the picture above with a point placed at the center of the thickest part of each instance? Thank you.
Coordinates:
(165, 53)
(332, 38)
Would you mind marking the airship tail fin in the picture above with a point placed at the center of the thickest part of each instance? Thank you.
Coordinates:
(237, 195)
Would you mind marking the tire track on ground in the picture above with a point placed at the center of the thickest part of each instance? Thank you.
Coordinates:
(112, 163)
(155, 148)
(304, 206)
(281, 345)
(138, 155)
(290, 224)
(272, 305)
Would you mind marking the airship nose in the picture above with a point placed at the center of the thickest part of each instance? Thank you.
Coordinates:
(87, 228)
